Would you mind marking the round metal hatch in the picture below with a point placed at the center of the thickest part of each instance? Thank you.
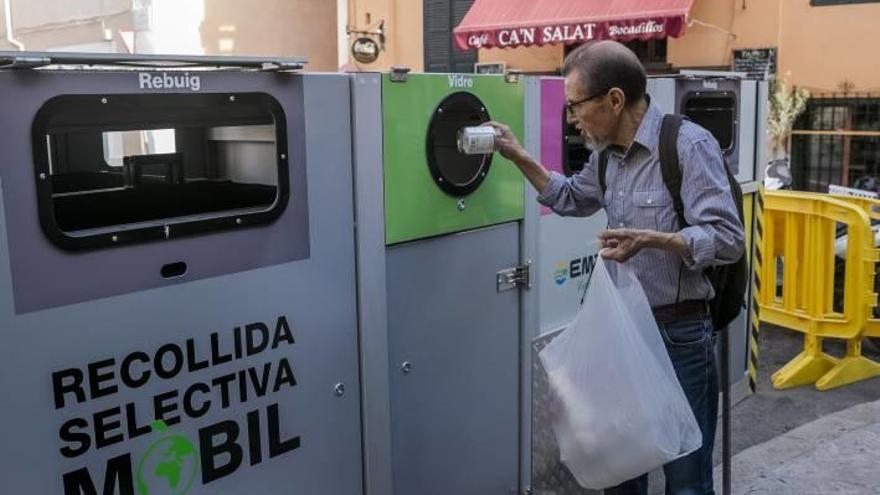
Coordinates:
(456, 173)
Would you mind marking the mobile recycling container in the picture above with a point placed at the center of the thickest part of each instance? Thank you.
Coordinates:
(566, 251)
(443, 266)
(734, 109)
(177, 279)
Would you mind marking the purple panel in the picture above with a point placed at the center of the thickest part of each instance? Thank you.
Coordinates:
(552, 101)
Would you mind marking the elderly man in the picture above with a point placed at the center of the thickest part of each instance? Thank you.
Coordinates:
(605, 88)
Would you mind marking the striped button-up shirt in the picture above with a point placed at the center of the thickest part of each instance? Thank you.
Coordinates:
(636, 197)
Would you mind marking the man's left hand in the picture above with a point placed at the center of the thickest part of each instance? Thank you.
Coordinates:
(622, 244)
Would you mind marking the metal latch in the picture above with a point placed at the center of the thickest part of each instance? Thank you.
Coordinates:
(513, 76)
(511, 278)
(399, 74)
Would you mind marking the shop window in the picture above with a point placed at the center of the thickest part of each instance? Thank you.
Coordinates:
(131, 168)
(652, 53)
(649, 51)
(440, 18)
(836, 141)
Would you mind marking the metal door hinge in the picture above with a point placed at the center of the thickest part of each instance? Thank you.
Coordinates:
(399, 74)
(511, 278)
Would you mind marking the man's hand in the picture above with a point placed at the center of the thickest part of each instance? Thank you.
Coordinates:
(622, 244)
(508, 146)
(506, 142)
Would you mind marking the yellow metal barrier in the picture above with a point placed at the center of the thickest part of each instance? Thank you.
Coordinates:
(871, 207)
(799, 229)
(754, 207)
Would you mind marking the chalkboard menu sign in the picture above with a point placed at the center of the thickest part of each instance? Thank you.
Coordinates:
(756, 62)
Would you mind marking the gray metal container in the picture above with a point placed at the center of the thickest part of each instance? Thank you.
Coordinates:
(235, 323)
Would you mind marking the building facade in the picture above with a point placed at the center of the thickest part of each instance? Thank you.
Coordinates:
(304, 28)
(820, 45)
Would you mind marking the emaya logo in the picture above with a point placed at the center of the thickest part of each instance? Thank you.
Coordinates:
(169, 81)
(560, 274)
(573, 269)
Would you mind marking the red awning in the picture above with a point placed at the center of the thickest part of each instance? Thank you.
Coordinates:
(511, 23)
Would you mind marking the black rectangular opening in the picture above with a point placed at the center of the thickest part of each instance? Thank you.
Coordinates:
(716, 112)
(128, 168)
(574, 153)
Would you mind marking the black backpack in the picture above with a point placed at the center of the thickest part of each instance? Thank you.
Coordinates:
(729, 281)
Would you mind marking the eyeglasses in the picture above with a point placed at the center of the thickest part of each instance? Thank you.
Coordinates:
(570, 105)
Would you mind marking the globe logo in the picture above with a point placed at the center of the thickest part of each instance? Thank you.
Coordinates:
(169, 466)
(561, 272)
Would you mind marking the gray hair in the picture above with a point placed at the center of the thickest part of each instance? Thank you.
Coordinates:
(602, 65)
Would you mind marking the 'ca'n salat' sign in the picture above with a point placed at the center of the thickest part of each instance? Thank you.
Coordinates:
(626, 30)
(200, 379)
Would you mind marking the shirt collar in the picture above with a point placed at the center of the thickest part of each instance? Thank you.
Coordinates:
(648, 134)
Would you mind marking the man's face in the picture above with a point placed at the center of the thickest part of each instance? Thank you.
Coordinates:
(589, 110)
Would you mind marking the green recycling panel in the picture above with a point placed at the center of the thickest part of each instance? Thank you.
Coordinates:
(428, 188)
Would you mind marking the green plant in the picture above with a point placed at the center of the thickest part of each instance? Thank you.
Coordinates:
(785, 106)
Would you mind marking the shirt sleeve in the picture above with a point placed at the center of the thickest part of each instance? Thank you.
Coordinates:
(575, 196)
(715, 235)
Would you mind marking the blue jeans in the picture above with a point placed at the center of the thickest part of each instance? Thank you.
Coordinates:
(691, 346)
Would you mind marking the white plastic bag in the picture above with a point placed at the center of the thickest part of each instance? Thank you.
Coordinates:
(621, 411)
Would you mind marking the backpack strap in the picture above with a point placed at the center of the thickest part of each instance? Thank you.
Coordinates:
(670, 169)
(669, 164)
(603, 168)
